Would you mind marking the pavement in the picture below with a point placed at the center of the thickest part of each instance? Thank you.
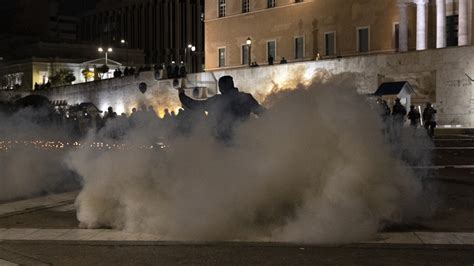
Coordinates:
(44, 231)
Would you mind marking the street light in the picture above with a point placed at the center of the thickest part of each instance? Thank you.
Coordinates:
(249, 43)
(192, 48)
(125, 43)
(101, 50)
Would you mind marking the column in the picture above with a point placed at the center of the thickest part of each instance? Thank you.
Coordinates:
(463, 37)
(421, 25)
(403, 27)
(440, 23)
(159, 31)
(151, 31)
(200, 36)
(177, 23)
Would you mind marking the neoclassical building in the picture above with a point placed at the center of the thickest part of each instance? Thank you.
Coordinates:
(238, 32)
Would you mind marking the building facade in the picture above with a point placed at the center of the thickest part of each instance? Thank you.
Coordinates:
(162, 28)
(36, 63)
(238, 32)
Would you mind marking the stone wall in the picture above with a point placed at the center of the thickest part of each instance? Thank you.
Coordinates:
(123, 93)
(440, 76)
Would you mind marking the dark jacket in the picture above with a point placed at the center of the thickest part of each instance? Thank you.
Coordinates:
(225, 110)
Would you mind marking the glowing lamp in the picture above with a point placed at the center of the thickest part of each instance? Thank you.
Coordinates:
(249, 41)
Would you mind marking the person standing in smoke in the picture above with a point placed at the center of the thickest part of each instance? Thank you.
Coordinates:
(414, 116)
(110, 114)
(384, 109)
(225, 109)
(429, 116)
(398, 114)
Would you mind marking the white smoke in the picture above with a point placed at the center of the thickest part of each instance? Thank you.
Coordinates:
(26, 167)
(314, 168)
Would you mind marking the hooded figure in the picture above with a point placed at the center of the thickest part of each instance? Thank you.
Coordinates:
(225, 109)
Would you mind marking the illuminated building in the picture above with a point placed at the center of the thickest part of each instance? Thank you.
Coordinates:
(39, 38)
(162, 28)
(38, 62)
(318, 29)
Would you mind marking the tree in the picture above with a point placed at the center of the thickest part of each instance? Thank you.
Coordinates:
(103, 70)
(62, 77)
(88, 75)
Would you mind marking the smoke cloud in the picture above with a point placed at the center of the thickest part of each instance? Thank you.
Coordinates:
(315, 167)
(31, 162)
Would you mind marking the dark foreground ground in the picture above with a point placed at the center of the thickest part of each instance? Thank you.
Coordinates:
(229, 254)
(453, 196)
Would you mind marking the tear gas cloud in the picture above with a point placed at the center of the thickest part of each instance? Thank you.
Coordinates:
(27, 166)
(315, 167)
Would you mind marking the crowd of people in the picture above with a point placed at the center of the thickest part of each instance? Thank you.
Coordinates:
(165, 71)
(397, 116)
(224, 111)
(221, 113)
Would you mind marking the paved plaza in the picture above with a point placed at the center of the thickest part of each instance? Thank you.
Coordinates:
(44, 231)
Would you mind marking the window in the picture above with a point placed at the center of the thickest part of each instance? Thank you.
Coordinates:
(396, 36)
(271, 3)
(299, 47)
(363, 40)
(452, 23)
(245, 6)
(221, 8)
(221, 57)
(271, 50)
(245, 54)
(330, 43)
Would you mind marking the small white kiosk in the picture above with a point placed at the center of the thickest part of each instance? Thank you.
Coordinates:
(390, 91)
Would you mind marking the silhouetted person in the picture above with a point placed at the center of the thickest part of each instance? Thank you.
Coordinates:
(134, 112)
(270, 60)
(167, 115)
(429, 117)
(283, 61)
(384, 109)
(36, 86)
(226, 109)
(176, 71)
(169, 71)
(398, 118)
(152, 112)
(116, 73)
(110, 113)
(399, 111)
(414, 116)
(126, 71)
(182, 71)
